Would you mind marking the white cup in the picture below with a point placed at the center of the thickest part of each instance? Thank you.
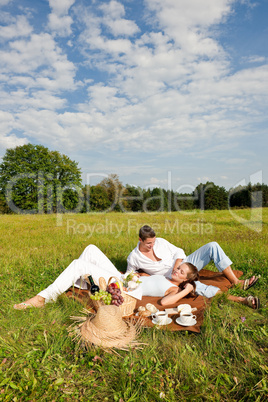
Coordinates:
(187, 318)
(184, 309)
(161, 317)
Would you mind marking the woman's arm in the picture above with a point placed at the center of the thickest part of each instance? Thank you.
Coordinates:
(175, 294)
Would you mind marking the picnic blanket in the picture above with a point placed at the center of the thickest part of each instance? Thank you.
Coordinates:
(198, 302)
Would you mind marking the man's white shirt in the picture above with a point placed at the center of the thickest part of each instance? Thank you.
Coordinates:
(163, 250)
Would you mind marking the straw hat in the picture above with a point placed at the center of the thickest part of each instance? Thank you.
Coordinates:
(107, 329)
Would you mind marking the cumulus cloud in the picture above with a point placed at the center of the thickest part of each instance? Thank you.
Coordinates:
(61, 7)
(39, 70)
(58, 21)
(113, 13)
(160, 83)
(8, 139)
(20, 27)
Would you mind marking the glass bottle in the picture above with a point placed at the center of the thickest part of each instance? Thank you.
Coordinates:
(93, 287)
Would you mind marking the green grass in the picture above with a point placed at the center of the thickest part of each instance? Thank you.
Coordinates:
(39, 361)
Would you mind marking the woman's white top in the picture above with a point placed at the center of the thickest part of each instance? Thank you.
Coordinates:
(155, 285)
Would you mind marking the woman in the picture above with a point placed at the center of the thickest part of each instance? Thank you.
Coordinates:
(184, 281)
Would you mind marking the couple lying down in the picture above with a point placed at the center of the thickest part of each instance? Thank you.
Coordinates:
(168, 272)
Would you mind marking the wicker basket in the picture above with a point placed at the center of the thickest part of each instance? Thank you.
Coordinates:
(127, 307)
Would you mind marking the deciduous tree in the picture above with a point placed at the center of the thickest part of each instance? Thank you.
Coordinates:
(35, 179)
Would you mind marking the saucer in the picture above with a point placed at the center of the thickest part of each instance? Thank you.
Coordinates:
(169, 320)
(193, 322)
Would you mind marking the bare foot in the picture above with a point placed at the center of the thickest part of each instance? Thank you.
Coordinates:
(36, 301)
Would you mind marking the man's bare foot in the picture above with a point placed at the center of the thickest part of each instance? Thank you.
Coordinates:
(36, 301)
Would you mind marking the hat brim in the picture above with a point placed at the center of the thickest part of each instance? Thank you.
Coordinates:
(90, 334)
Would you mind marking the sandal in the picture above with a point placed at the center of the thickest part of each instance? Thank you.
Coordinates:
(249, 302)
(247, 284)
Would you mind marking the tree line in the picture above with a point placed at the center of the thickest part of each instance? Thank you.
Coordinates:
(34, 179)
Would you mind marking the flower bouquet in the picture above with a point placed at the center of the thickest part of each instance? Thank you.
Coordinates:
(130, 281)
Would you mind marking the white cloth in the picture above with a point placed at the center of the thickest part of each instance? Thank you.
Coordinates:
(155, 285)
(167, 252)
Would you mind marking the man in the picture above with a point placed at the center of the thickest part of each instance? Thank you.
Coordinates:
(154, 255)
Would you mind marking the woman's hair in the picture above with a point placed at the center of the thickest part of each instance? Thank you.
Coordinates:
(192, 276)
(146, 232)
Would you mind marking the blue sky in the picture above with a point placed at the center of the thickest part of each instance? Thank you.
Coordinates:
(167, 93)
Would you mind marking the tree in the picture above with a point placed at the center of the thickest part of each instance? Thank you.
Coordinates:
(96, 198)
(35, 179)
(210, 196)
(116, 192)
(135, 198)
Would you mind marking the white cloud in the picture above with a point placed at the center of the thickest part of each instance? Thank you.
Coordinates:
(168, 91)
(58, 21)
(255, 59)
(11, 141)
(62, 25)
(113, 9)
(61, 7)
(20, 27)
(113, 13)
(39, 63)
(7, 139)
(5, 2)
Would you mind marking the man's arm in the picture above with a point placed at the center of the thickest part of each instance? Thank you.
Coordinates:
(177, 262)
(131, 267)
(176, 252)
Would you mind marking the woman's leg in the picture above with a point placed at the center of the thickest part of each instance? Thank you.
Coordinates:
(76, 270)
(250, 301)
(73, 274)
(93, 255)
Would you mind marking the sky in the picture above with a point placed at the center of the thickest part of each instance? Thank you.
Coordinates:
(163, 93)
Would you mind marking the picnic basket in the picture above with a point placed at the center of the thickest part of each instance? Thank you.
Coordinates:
(127, 307)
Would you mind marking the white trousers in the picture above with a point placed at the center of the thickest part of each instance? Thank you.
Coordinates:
(91, 262)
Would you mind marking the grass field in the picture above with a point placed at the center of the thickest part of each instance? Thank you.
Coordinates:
(39, 361)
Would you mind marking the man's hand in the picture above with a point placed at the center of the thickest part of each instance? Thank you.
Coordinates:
(177, 263)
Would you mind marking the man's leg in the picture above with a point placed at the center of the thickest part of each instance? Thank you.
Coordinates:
(213, 252)
(209, 252)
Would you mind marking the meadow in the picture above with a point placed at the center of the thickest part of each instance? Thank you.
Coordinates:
(227, 361)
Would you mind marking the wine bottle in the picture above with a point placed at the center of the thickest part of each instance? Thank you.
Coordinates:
(93, 287)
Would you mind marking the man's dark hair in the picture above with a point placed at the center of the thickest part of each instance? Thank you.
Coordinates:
(146, 232)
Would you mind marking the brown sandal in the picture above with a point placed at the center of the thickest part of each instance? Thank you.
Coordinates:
(249, 302)
(247, 284)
